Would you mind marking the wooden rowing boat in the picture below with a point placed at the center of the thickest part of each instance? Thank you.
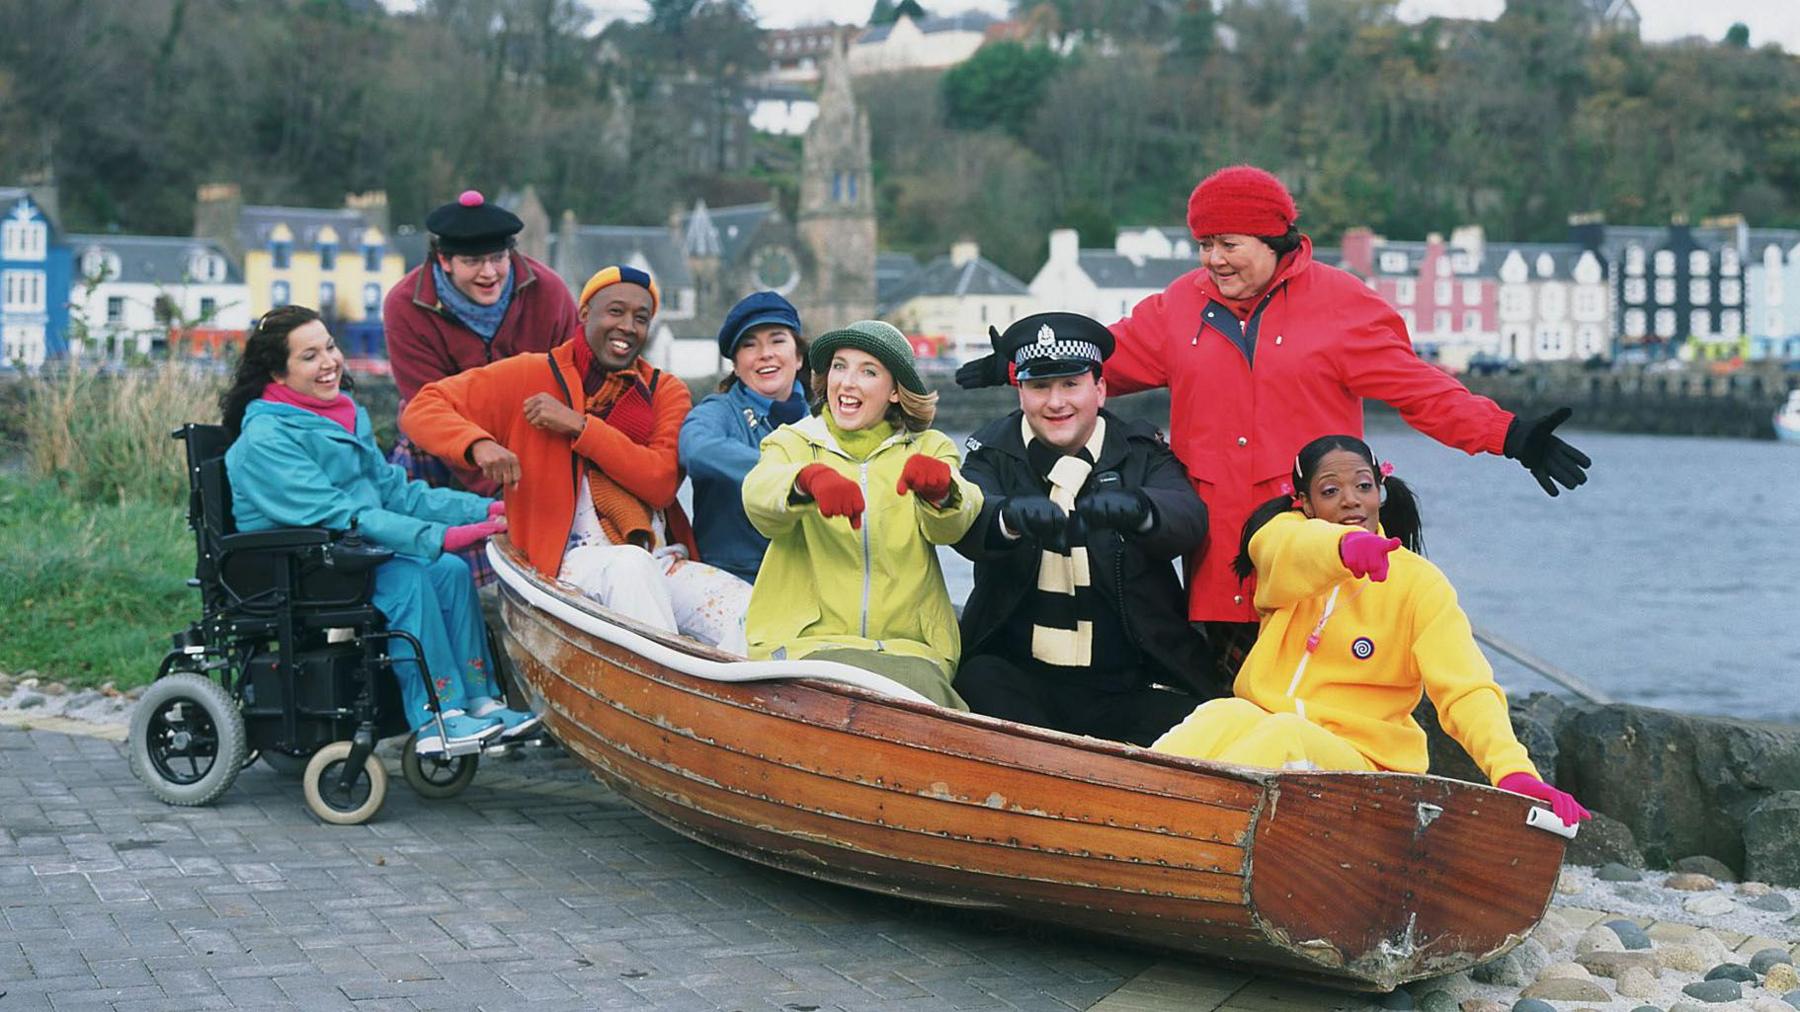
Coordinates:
(1361, 880)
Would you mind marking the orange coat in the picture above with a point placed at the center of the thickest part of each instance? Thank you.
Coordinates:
(449, 416)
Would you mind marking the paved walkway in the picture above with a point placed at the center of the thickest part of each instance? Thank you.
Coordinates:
(526, 891)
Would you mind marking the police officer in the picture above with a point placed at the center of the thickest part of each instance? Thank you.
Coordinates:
(1078, 621)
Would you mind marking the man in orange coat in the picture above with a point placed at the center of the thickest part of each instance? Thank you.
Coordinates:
(584, 442)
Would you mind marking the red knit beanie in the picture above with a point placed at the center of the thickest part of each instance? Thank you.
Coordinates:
(1241, 200)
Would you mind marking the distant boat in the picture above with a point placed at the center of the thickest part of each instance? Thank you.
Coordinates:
(1361, 880)
(1787, 420)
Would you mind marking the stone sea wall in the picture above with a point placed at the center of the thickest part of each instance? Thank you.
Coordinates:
(1688, 402)
(1667, 788)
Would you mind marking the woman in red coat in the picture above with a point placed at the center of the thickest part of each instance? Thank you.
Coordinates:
(1263, 349)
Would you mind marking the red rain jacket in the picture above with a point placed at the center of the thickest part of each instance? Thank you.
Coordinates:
(1324, 341)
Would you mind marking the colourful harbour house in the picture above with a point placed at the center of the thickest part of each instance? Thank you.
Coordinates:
(34, 282)
(340, 261)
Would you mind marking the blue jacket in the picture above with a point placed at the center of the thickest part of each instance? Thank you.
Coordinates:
(293, 468)
(719, 443)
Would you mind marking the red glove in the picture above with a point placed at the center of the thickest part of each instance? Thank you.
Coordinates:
(497, 508)
(1562, 803)
(1366, 554)
(836, 495)
(458, 538)
(927, 477)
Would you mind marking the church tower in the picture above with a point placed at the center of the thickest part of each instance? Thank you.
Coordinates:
(836, 217)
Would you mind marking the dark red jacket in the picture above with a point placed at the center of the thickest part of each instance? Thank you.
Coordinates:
(1324, 342)
(425, 343)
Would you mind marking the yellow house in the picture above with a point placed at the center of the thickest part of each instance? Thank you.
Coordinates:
(340, 261)
(333, 261)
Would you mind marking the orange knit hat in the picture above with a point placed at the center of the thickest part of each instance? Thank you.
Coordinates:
(614, 275)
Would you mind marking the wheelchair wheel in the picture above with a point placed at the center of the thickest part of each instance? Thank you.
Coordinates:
(436, 778)
(187, 739)
(339, 807)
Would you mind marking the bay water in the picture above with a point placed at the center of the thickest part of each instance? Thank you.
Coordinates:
(1671, 579)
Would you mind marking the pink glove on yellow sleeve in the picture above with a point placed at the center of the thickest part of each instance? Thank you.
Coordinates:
(1366, 554)
(1561, 802)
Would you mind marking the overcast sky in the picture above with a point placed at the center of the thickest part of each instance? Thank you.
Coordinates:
(1769, 20)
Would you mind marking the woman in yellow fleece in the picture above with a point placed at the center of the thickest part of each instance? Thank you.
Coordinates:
(1355, 624)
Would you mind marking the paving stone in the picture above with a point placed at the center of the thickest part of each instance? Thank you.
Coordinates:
(521, 892)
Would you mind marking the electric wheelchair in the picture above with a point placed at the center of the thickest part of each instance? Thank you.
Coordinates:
(288, 663)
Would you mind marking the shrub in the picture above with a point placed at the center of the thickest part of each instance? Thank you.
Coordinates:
(105, 438)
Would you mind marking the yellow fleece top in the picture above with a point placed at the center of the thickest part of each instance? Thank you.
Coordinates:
(1383, 644)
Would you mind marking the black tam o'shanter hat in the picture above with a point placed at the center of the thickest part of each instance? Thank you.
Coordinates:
(472, 226)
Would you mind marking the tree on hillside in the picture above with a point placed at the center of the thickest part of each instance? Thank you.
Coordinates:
(1001, 85)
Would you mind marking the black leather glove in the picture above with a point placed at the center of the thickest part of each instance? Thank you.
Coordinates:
(1534, 443)
(1123, 510)
(986, 371)
(1037, 518)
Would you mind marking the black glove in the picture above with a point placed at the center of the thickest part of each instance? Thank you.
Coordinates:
(1123, 510)
(986, 371)
(1535, 444)
(1037, 518)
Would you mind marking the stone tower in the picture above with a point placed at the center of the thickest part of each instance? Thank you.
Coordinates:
(836, 219)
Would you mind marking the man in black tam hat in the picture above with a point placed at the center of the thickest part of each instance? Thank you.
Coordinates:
(1078, 621)
(474, 300)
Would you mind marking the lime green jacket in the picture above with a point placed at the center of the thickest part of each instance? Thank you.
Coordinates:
(823, 584)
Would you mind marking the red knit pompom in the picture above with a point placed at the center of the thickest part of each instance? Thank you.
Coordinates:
(471, 198)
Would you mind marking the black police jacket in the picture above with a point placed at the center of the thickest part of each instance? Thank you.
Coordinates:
(1131, 572)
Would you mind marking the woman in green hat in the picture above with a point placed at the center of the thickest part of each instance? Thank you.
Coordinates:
(853, 500)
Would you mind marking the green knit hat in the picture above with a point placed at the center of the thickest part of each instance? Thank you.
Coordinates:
(882, 340)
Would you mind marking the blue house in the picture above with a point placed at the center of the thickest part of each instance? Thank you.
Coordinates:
(34, 283)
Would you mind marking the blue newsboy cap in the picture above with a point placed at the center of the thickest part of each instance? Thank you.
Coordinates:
(755, 310)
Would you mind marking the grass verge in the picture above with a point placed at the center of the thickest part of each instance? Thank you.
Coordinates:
(90, 592)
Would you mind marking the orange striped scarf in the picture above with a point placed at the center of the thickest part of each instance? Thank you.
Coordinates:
(623, 403)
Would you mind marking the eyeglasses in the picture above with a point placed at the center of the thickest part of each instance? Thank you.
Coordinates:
(495, 259)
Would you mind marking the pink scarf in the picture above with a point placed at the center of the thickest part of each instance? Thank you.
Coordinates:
(340, 409)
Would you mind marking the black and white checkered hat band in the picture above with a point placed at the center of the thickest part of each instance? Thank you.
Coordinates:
(1065, 350)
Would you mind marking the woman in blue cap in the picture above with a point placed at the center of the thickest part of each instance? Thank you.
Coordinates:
(765, 390)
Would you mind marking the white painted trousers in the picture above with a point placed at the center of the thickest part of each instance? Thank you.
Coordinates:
(665, 590)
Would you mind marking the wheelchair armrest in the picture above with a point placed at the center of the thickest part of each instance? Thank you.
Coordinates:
(278, 539)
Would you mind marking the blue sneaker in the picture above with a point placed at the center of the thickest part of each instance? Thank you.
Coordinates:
(460, 730)
(515, 723)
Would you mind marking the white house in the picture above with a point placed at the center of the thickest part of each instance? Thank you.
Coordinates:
(1553, 303)
(130, 291)
(1772, 293)
(909, 44)
(958, 297)
(783, 110)
(1105, 283)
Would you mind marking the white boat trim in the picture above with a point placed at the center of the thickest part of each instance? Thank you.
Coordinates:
(587, 618)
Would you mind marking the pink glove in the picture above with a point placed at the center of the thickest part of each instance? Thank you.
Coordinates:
(1366, 554)
(497, 508)
(458, 538)
(1562, 803)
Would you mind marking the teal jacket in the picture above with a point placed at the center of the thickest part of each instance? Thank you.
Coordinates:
(293, 468)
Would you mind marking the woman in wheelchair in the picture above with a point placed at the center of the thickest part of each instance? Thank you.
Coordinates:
(304, 455)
